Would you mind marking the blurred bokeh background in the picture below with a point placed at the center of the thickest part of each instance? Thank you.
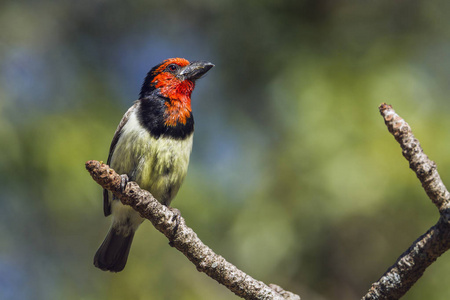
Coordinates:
(293, 177)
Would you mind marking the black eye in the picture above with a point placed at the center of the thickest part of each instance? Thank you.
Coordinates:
(172, 67)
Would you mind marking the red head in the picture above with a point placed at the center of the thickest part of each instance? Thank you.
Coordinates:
(174, 79)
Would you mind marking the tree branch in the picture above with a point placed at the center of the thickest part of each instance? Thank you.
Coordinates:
(410, 266)
(425, 169)
(172, 225)
(394, 283)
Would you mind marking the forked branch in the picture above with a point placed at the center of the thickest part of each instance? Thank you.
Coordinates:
(410, 266)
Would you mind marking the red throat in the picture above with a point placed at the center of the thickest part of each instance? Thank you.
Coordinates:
(179, 94)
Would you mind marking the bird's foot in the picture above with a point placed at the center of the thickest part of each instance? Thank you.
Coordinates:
(124, 182)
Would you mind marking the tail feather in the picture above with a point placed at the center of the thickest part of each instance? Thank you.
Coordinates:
(113, 252)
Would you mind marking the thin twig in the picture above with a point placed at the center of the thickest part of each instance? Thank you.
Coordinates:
(411, 265)
(425, 169)
(172, 225)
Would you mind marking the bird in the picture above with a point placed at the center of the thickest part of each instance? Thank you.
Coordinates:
(151, 146)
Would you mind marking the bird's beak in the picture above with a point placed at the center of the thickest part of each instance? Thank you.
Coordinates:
(195, 70)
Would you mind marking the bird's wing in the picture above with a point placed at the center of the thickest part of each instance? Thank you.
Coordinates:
(106, 202)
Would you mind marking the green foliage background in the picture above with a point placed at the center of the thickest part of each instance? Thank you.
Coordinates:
(293, 177)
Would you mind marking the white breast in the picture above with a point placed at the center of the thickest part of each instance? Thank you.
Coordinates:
(158, 165)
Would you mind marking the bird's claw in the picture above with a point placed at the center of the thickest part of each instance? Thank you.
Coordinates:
(176, 217)
(124, 182)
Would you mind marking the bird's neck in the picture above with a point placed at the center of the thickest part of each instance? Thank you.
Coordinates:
(177, 111)
(178, 105)
(165, 116)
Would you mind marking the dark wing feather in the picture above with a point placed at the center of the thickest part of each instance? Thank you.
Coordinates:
(106, 203)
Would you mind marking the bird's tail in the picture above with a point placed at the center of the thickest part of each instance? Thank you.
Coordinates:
(113, 252)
